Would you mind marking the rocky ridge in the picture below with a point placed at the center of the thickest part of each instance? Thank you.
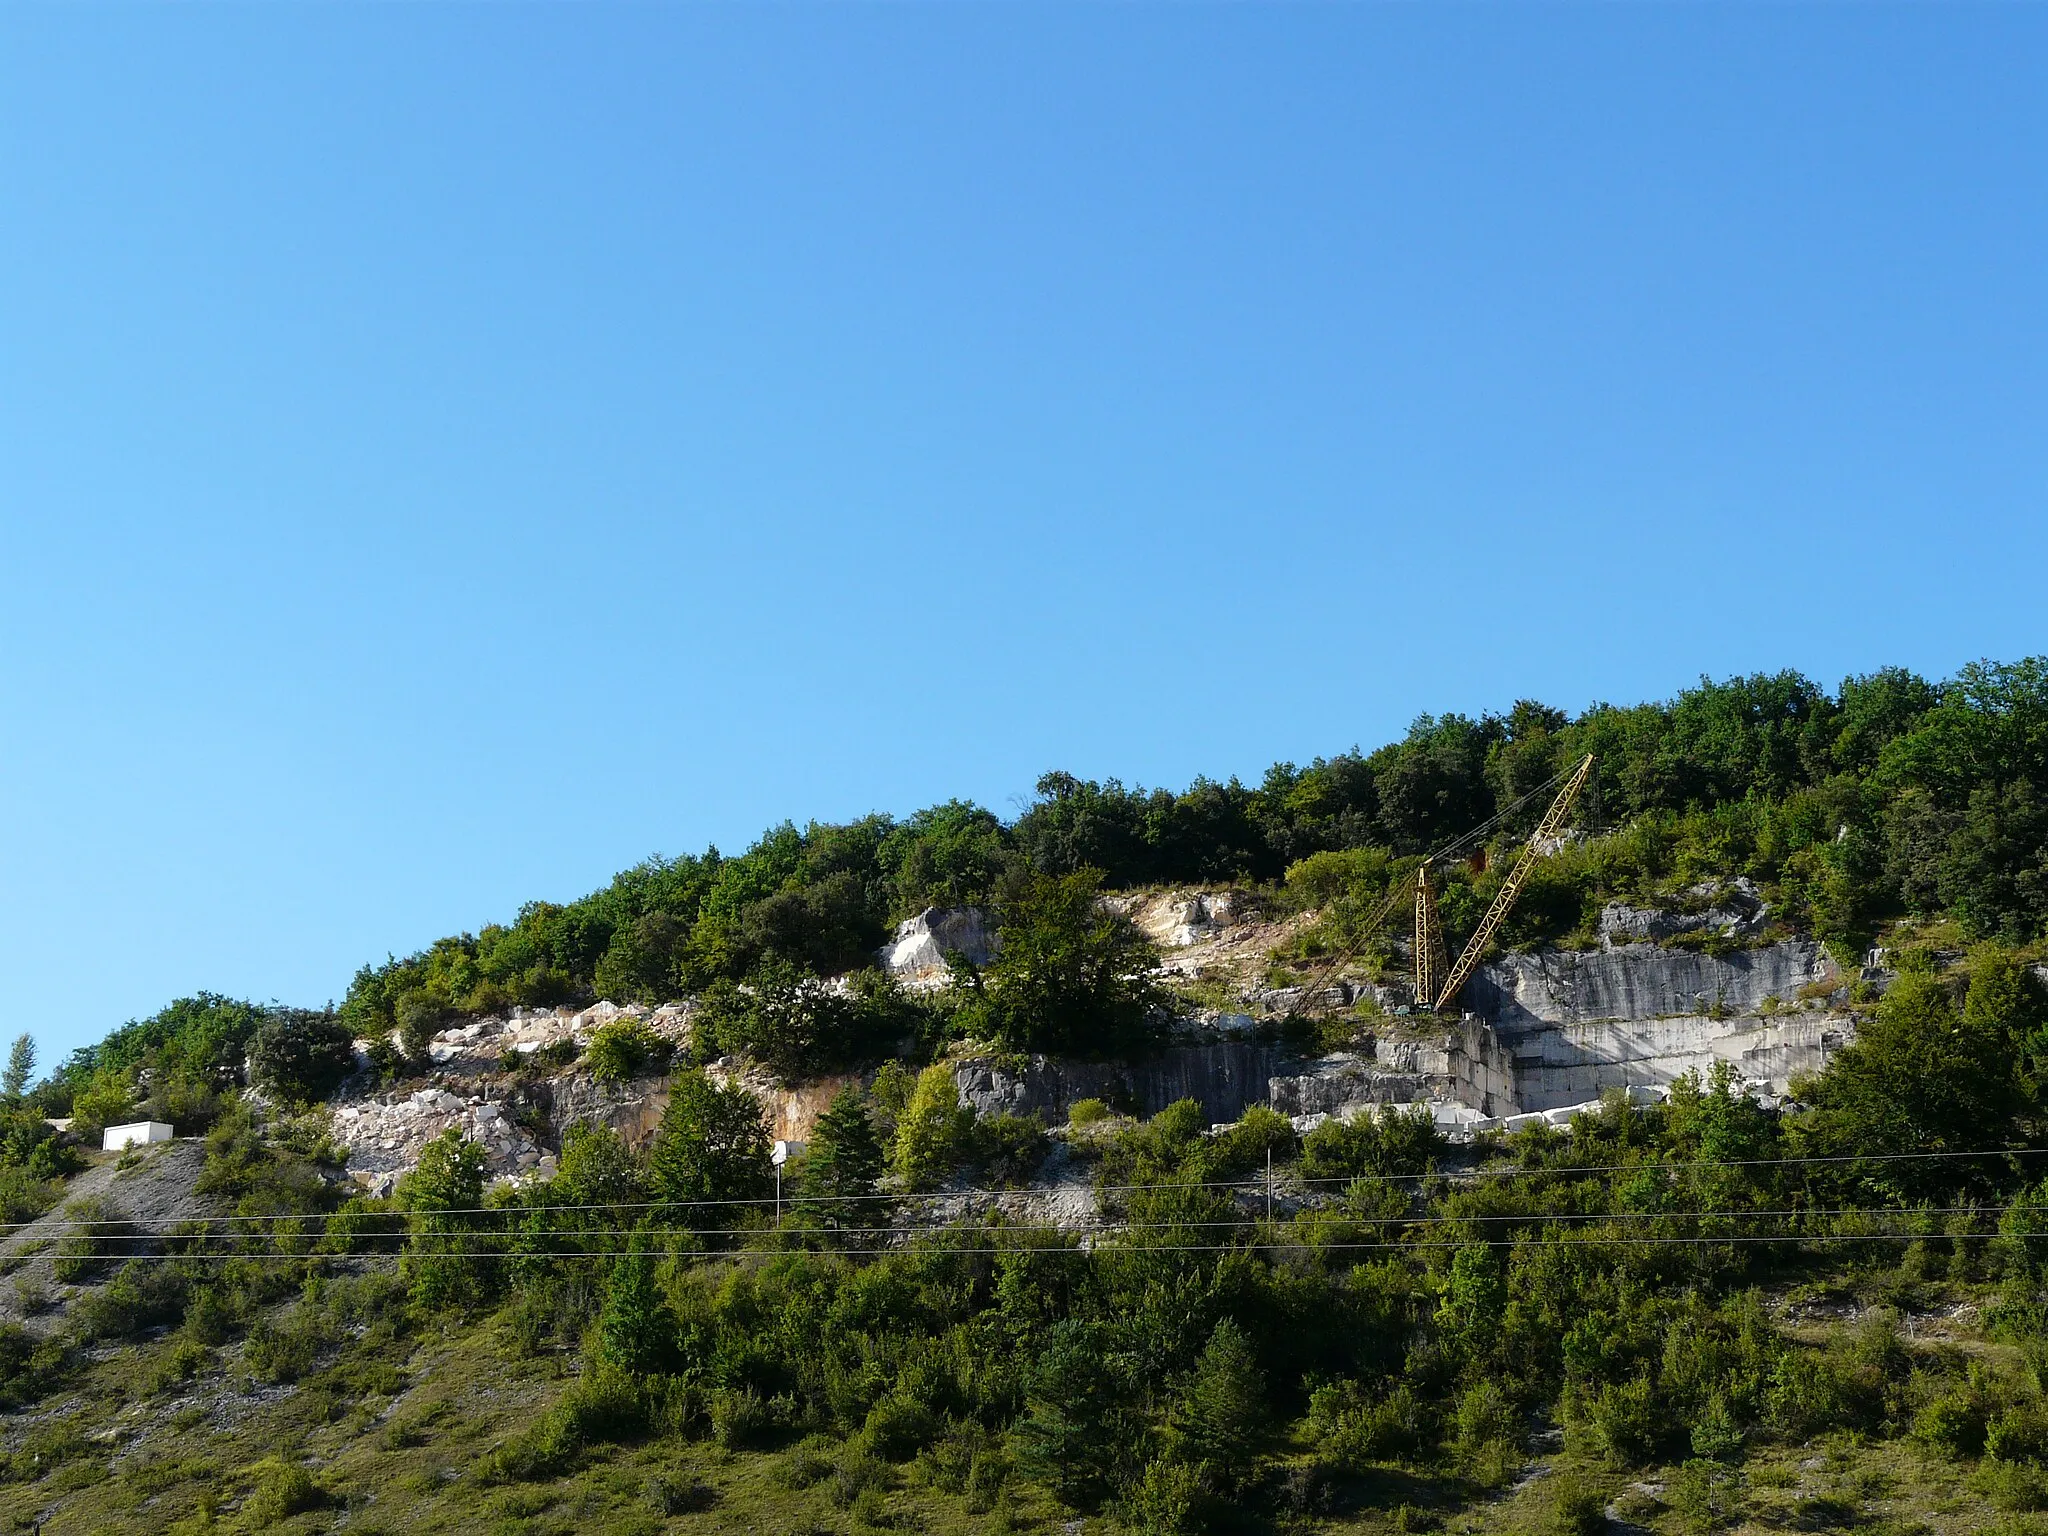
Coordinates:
(1666, 992)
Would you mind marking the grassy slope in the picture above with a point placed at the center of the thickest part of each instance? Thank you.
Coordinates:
(395, 1429)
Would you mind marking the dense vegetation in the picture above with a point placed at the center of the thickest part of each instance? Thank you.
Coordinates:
(1386, 1341)
(1890, 796)
(1383, 1334)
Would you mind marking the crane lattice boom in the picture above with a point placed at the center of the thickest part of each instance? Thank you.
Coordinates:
(1496, 914)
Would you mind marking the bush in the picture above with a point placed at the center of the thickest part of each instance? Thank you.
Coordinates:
(1004, 1149)
(859, 1481)
(23, 1196)
(1167, 1500)
(1357, 1431)
(100, 1235)
(742, 1419)
(687, 1496)
(898, 1427)
(1956, 1422)
(810, 1463)
(626, 1048)
(284, 1350)
(1576, 1510)
(1705, 1496)
(282, 1489)
(2015, 1486)
(301, 1056)
(1382, 1142)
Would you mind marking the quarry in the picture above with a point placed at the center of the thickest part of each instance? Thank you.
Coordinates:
(1542, 1036)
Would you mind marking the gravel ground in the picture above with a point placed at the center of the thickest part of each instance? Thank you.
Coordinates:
(154, 1193)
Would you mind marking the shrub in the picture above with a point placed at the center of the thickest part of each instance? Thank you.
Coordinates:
(24, 1196)
(286, 1349)
(810, 1463)
(1167, 1500)
(100, 1234)
(860, 1479)
(1624, 1421)
(1357, 1431)
(1576, 1510)
(2020, 1433)
(626, 1048)
(1705, 1496)
(1486, 1432)
(1005, 1149)
(1086, 1112)
(1956, 1422)
(2015, 1486)
(742, 1419)
(687, 1496)
(301, 1056)
(281, 1489)
(898, 1427)
(1383, 1142)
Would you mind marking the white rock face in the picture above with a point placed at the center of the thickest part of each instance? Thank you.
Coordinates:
(1733, 910)
(1641, 981)
(919, 949)
(385, 1135)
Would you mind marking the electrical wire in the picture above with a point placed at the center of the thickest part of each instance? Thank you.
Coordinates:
(1250, 1185)
(527, 1234)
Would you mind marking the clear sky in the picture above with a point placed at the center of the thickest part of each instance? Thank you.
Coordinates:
(450, 453)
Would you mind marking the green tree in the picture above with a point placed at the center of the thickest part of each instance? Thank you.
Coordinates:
(636, 1330)
(1917, 1078)
(301, 1056)
(789, 1021)
(712, 1147)
(1221, 1416)
(1082, 1431)
(21, 1066)
(843, 1164)
(443, 1195)
(1071, 976)
(931, 1130)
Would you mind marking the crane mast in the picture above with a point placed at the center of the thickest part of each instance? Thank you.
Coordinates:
(1434, 989)
(1430, 964)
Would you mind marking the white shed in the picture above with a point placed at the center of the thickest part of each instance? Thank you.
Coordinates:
(139, 1133)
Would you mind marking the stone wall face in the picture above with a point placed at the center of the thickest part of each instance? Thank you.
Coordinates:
(1576, 1062)
(1520, 994)
(1225, 1079)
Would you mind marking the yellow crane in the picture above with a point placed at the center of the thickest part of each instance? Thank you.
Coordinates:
(1436, 987)
(1437, 981)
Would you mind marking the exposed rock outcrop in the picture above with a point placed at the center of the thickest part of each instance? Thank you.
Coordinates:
(1522, 993)
(1733, 911)
(385, 1135)
(918, 951)
(1225, 1079)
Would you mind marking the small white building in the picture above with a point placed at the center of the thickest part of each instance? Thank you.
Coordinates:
(139, 1133)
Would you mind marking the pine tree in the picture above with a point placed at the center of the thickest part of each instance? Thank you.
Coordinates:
(636, 1329)
(21, 1066)
(712, 1149)
(843, 1164)
(1220, 1417)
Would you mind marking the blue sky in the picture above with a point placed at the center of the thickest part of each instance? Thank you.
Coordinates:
(449, 453)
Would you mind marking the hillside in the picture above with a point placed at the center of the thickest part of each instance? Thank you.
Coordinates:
(1096, 1170)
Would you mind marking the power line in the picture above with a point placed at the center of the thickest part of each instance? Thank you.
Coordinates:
(1787, 1239)
(1580, 1218)
(1248, 1184)
(1251, 1186)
